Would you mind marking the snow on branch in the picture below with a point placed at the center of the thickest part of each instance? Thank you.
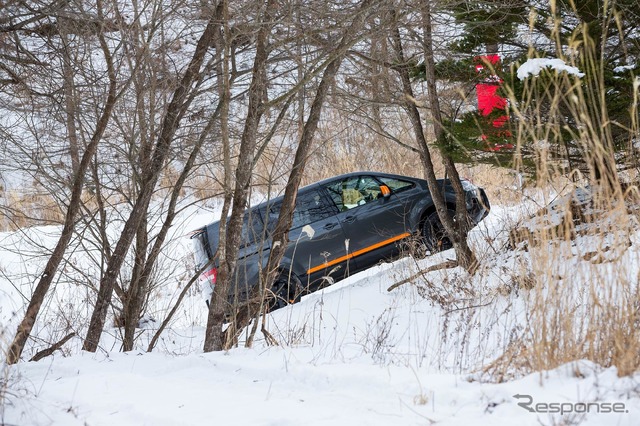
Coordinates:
(533, 67)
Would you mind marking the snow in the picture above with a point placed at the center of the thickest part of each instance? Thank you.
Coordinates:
(309, 231)
(352, 353)
(284, 386)
(623, 68)
(533, 67)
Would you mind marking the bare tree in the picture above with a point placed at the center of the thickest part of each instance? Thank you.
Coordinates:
(457, 231)
(180, 101)
(167, 111)
(26, 325)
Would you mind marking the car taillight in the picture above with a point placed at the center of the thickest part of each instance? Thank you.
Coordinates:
(210, 276)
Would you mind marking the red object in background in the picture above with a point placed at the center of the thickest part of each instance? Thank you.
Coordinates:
(489, 100)
(491, 59)
(500, 122)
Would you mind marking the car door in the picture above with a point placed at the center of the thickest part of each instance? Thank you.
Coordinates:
(316, 240)
(372, 222)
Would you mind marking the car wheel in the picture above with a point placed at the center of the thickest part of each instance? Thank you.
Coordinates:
(287, 289)
(433, 233)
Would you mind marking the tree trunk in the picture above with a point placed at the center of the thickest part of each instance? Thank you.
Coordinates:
(465, 256)
(134, 295)
(218, 306)
(458, 234)
(285, 218)
(280, 236)
(70, 104)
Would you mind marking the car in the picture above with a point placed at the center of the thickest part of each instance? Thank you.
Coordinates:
(341, 225)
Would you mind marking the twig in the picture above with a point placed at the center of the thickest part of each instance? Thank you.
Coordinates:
(468, 307)
(271, 341)
(183, 293)
(444, 265)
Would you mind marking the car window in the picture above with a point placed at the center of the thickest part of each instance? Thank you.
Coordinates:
(354, 191)
(251, 227)
(270, 215)
(310, 207)
(396, 185)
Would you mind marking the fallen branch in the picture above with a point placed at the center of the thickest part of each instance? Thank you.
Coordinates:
(46, 352)
(444, 265)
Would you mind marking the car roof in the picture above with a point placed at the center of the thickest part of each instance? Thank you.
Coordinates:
(361, 173)
(311, 186)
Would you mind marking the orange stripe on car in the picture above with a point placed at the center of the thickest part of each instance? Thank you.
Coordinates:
(358, 253)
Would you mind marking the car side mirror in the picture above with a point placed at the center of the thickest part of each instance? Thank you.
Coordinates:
(385, 191)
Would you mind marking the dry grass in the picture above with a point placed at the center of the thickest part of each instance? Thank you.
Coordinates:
(343, 146)
(28, 208)
(204, 187)
(584, 301)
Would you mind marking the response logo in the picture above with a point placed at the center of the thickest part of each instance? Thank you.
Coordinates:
(526, 402)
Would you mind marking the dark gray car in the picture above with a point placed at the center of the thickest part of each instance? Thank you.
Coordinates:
(341, 225)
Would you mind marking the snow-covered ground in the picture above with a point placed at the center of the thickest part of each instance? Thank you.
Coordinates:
(353, 353)
(291, 386)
